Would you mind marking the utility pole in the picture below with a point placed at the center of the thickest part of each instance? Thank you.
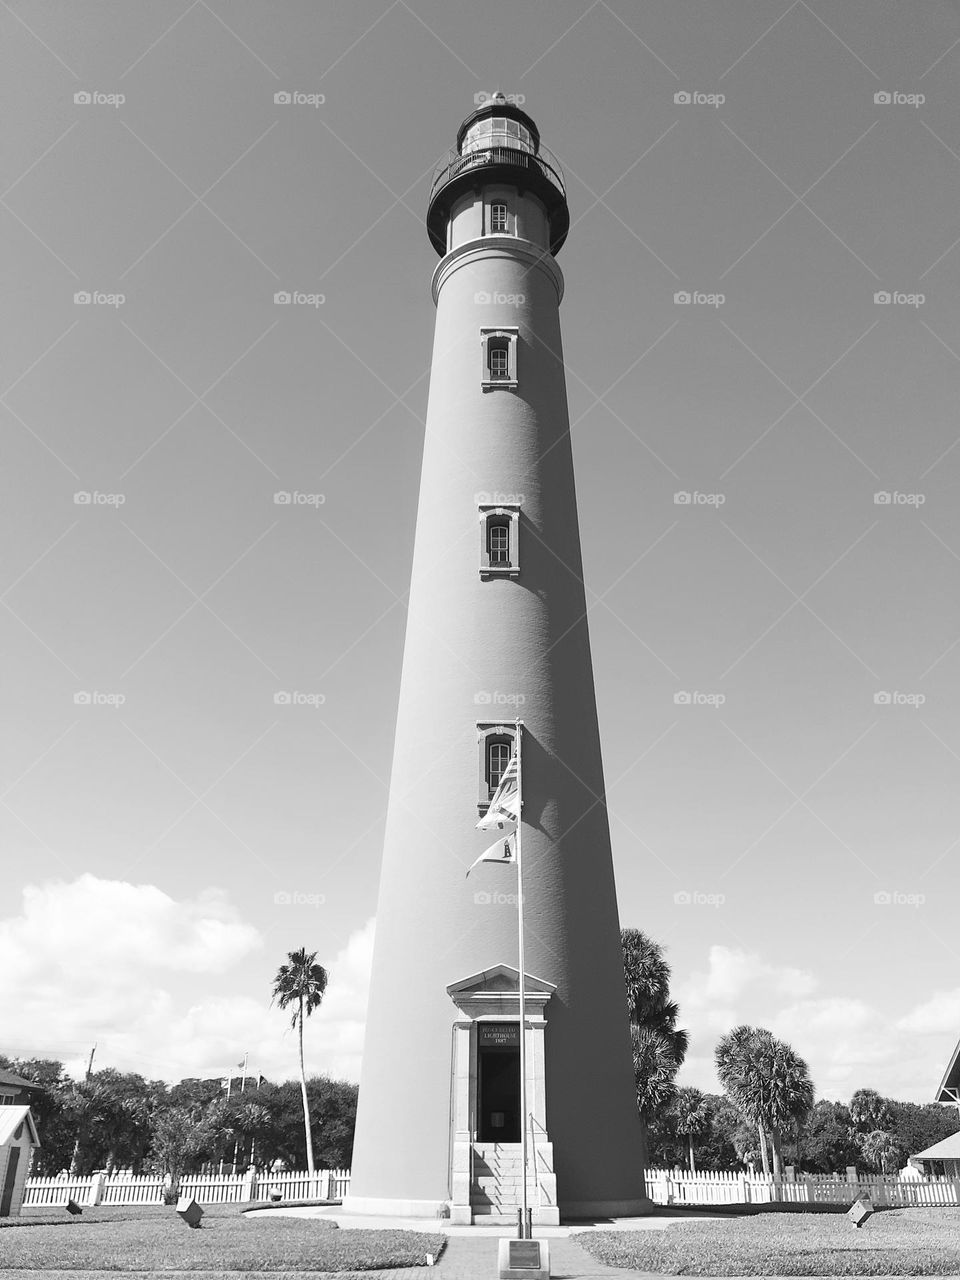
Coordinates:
(90, 1063)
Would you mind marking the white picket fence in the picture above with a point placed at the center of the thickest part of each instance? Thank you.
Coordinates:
(679, 1186)
(241, 1188)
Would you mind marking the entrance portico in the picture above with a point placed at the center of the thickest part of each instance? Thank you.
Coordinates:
(486, 1159)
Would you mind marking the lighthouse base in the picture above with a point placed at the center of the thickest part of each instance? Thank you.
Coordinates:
(387, 1207)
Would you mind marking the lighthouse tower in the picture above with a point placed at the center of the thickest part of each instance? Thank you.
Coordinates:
(496, 633)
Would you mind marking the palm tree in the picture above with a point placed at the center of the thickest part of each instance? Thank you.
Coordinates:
(659, 1045)
(767, 1082)
(882, 1151)
(89, 1104)
(692, 1116)
(301, 984)
(869, 1111)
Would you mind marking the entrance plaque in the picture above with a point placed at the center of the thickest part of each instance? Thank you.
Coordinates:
(498, 1035)
(523, 1260)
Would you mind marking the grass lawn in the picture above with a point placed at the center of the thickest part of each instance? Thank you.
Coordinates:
(155, 1239)
(900, 1242)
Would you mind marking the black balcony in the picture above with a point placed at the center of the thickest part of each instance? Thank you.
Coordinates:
(456, 174)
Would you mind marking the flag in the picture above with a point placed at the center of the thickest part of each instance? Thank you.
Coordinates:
(501, 851)
(505, 805)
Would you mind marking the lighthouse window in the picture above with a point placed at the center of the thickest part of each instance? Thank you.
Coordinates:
(500, 541)
(498, 217)
(499, 357)
(498, 757)
(498, 538)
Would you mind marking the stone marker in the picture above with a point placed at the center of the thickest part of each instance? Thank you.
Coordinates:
(189, 1211)
(523, 1260)
(860, 1210)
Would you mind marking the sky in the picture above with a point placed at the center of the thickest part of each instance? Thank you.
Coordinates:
(200, 681)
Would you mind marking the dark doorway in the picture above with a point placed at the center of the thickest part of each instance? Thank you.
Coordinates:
(498, 1082)
(6, 1199)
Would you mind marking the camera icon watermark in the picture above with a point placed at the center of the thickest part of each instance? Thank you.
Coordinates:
(94, 498)
(894, 698)
(696, 898)
(894, 498)
(894, 98)
(296, 298)
(894, 298)
(484, 698)
(94, 98)
(294, 698)
(94, 698)
(694, 498)
(698, 298)
(481, 98)
(296, 98)
(294, 498)
(95, 298)
(695, 698)
(894, 898)
(694, 98)
(297, 898)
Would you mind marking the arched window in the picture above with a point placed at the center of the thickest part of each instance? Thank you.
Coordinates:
(498, 757)
(498, 541)
(499, 359)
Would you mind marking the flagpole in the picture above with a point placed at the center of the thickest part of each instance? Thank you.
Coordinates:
(521, 985)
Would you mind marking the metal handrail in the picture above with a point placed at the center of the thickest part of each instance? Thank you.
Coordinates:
(453, 164)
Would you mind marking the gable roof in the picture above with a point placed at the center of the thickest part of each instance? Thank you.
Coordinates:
(10, 1120)
(7, 1077)
(946, 1149)
(951, 1079)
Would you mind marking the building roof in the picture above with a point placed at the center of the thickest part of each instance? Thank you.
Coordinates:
(946, 1149)
(950, 1084)
(7, 1077)
(10, 1120)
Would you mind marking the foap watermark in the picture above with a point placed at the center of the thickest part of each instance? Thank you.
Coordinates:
(94, 698)
(484, 899)
(695, 898)
(297, 98)
(96, 98)
(484, 698)
(296, 298)
(96, 298)
(498, 498)
(686, 498)
(294, 698)
(895, 98)
(694, 698)
(482, 97)
(694, 98)
(894, 498)
(894, 698)
(297, 898)
(894, 898)
(94, 498)
(894, 298)
(696, 298)
(484, 298)
(294, 498)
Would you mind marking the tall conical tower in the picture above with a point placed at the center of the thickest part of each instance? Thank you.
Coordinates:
(497, 630)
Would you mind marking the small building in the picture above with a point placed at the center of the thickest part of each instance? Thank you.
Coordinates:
(14, 1090)
(18, 1137)
(940, 1160)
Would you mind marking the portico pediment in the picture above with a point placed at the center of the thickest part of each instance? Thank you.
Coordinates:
(496, 992)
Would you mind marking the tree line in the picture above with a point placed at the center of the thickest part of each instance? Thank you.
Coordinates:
(766, 1115)
(116, 1120)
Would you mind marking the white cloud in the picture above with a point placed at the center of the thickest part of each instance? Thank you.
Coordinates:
(846, 1040)
(153, 981)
